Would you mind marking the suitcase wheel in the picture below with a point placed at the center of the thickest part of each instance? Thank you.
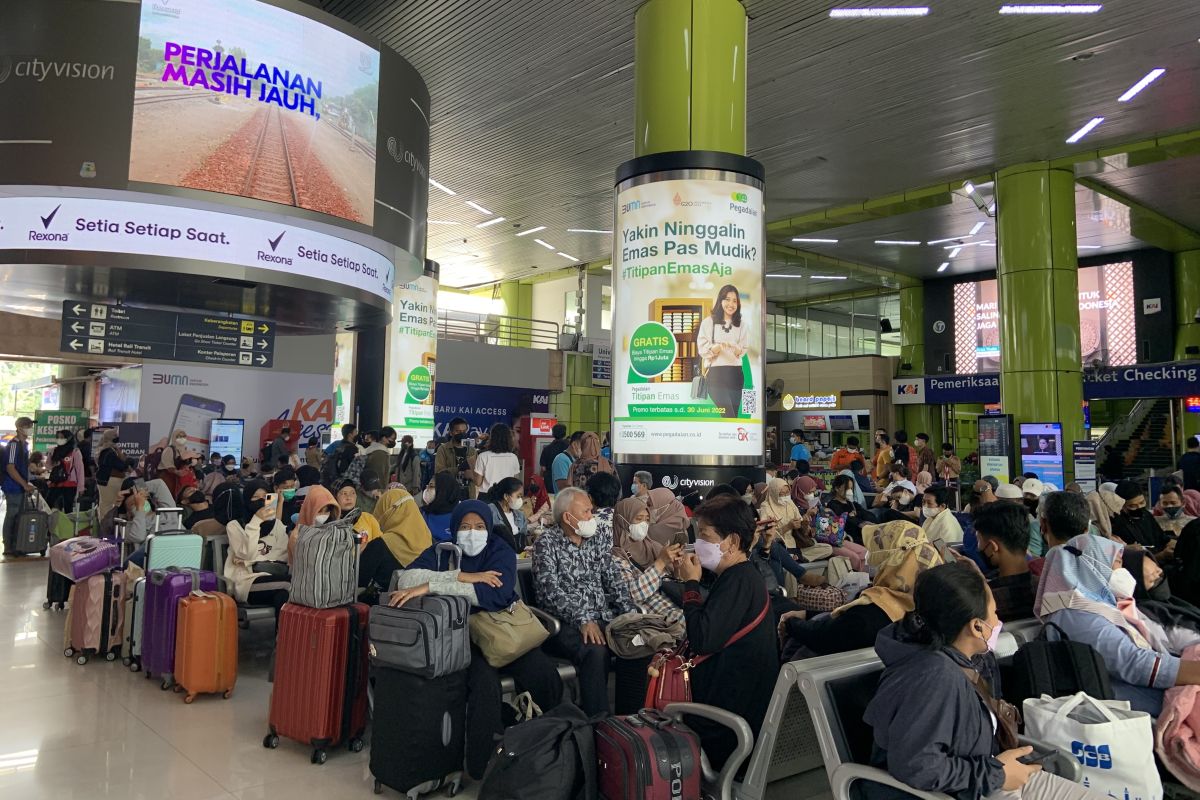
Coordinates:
(110, 656)
(356, 745)
(270, 741)
(378, 787)
(319, 756)
(190, 698)
(81, 659)
(227, 694)
(69, 652)
(46, 605)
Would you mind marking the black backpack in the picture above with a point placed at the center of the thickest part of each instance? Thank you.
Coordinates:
(1057, 669)
(551, 757)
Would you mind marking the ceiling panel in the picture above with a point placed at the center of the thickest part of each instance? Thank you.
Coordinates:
(1169, 187)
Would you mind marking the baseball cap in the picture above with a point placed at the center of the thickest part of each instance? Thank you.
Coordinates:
(1033, 486)
(1008, 491)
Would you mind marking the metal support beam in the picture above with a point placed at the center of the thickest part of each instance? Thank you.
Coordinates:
(1147, 224)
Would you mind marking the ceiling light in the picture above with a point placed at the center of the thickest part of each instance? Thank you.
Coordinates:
(490, 222)
(969, 187)
(1085, 130)
(978, 227)
(943, 241)
(1150, 78)
(816, 241)
(545, 244)
(954, 252)
(897, 242)
(1090, 246)
(532, 230)
(478, 207)
(437, 185)
(1053, 8)
(606, 268)
(911, 11)
(777, 275)
(987, 244)
(568, 256)
(442, 222)
(586, 230)
(942, 268)
(829, 277)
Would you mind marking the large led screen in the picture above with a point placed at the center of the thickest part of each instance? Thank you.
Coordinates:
(1107, 331)
(249, 99)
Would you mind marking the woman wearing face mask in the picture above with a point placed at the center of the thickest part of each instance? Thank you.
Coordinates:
(366, 526)
(506, 499)
(498, 460)
(899, 503)
(256, 566)
(669, 521)
(487, 576)
(842, 501)
(745, 490)
(174, 468)
(1076, 598)
(66, 464)
(1169, 627)
(318, 508)
(959, 745)
(438, 501)
(408, 466)
(644, 562)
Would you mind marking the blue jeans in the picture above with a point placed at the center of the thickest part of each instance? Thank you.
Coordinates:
(12, 505)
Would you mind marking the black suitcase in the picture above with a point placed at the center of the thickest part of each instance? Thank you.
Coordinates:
(418, 731)
(33, 528)
(58, 590)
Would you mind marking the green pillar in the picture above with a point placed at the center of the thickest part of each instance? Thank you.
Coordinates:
(1038, 275)
(916, 418)
(518, 302)
(1187, 307)
(690, 76)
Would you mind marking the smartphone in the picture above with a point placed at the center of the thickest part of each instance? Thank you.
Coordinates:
(194, 417)
(689, 548)
(1035, 758)
(270, 500)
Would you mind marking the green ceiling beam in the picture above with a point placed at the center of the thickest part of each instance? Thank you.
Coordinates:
(840, 297)
(886, 278)
(1146, 224)
(1136, 154)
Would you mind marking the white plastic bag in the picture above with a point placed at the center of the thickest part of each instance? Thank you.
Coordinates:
(1114, 744)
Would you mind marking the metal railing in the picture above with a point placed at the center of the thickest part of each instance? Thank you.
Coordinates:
(498, 329)
(1123, 428)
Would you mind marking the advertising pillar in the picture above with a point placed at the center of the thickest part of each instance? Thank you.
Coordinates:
(688, 318)
(412, 357)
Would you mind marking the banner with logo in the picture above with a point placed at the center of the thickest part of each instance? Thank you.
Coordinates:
(1147, 380)
(687, 319)
(133, 439)
(412, 359)
(47, 423)
(484, 406)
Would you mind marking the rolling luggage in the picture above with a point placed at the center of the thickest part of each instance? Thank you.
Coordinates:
(418, 735)
(163, 591)
(647, 756)
(174, 549)
(97, 619)
(33, 528)
(206, 644)
(324, 564)
(58, 591)
(428, 637)
(320, 693)
(84, 556)
(135, 613)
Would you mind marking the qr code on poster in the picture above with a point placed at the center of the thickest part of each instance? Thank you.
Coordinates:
(749, 401)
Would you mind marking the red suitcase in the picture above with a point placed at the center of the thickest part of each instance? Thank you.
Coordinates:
(647, 756)
(320, 692)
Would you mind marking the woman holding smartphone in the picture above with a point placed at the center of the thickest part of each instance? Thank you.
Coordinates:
(257, 565)
(722, 341)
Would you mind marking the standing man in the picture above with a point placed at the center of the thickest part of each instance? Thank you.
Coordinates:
(560, 470)
(843, 456)
(279, 449)
(1189, 464)
(16, 482)
(456, 457)
(642, 482)
(883, 458)
(379, 458)
(799, 449)
(551, 451)
(926, 460)
(949, 466)
(349, 431)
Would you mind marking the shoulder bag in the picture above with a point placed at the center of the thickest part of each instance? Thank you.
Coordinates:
(504, 636)
(700, 382)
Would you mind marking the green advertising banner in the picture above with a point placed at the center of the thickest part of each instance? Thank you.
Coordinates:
(46, 424)
(411, 367)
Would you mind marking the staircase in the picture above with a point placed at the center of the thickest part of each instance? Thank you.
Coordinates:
(1143, 439)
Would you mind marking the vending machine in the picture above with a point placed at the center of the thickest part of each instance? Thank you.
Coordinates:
(535, 431)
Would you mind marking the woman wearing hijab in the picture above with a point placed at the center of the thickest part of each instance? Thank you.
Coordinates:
(899, 552)
(69, 485)
(408, 466)
(1075, 599)
(441, 496)
(318, 508)
(256, 566)
(668, 519)
(405, 536)
(1104, 506)
(1171, 624)
(487, 576)
(644, 562)
(924, 481)
(366, 526)
(590, 461)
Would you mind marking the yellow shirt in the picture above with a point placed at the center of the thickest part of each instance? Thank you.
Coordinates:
(367, 526)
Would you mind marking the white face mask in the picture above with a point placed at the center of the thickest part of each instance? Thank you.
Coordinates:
(905, 498)
(515, 502)
(748, 499)
(321, 519)
(930, 513)
(812, 498)
(427, 495)
(60, 441)
(180, 441)
(639, 530)
(586, 528)
(472, 541)
(1122, 583)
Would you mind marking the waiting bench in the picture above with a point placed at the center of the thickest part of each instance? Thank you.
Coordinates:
(247, 612)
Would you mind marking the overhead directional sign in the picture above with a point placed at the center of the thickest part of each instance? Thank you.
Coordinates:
(123, 331)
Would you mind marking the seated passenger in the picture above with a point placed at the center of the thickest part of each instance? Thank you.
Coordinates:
(1173, 515)
(487, 576)
(1075, 595)
(941, 526)
(604, 488)
(738, 677)
(506, 499)
(404, 536)
(440, 497)
(669, 521)
(318, 508)
(1169, 624)
(843, 499)
(136, 505)
(898, 552)
(1134, 525)
(1004, 541)
(286, 484)
(1103, 505)
(256, 566)
(942, 649)
(643, 562)
(366, 526)
(579, 582)
(811, 507)
(1061, 517)
(777, 507)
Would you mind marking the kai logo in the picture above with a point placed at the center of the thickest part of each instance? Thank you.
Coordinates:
(314, 415)
(908, 389)
(739, 197)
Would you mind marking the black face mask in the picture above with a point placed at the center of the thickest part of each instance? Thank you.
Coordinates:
(1161, 592)
(256, 505)
(1031, 506)
(458, 437)
(1136, 513)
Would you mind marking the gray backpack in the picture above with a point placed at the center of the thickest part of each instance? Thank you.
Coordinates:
(325, 564)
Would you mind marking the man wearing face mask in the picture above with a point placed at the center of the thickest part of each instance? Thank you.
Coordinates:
(1174, 519)
(174, 469)
(1003, 536)
(456, 457)
(286, 484)
(579, 582)
(642, 483)
(799, 451)
(1134, 525)
(16, 481)
(427, 456)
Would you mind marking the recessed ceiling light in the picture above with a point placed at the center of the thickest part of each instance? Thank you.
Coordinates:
(478, 207)
(607, 267)
(829, 277)
(1090, 246)
(908, 11)
(586, 230)
(1150, 78)
(978, 227)
(943, 241)
(532, 230)
(546, 245)
(568, 256)
(954, 252)
(1085, 130)
(490, 222)
(969, 187)
(777, 275)
(1051, 8)
(445, 189)
(942, 268)
(442, 222)
(816, 241)
(900, 242)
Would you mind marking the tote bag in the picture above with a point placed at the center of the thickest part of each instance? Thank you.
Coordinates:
(1114, 745)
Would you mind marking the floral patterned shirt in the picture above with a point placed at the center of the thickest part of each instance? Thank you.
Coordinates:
(579, 583)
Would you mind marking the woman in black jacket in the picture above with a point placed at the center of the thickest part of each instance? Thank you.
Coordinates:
(737, 676)
(943, 649)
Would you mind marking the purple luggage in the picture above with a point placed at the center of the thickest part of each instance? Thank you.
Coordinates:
(84, 556)
(164, 589)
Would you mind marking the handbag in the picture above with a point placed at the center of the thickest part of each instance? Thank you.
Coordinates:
(504, 636)
(1008, 719)
(700, 382)
(669, 680)
(830, 530)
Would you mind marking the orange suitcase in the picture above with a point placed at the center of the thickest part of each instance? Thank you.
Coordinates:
(206, 645)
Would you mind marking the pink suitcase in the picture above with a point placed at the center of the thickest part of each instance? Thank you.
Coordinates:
(97, 620)
(84, 556)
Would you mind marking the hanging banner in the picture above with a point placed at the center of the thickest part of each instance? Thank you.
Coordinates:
(412, 357)
(688, 310)
(48, 422)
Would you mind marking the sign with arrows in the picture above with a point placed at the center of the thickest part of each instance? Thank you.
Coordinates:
(123, 331)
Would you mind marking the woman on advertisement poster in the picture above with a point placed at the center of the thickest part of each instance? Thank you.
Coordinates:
(722, 342)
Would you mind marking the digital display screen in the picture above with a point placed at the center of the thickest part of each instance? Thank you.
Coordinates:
(226, 437)
(248, 99)
(1042, 451)
(841, 422)
(1107, 330)
(814, 422)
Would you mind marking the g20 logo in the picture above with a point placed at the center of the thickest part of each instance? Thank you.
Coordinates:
(1092, 756)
